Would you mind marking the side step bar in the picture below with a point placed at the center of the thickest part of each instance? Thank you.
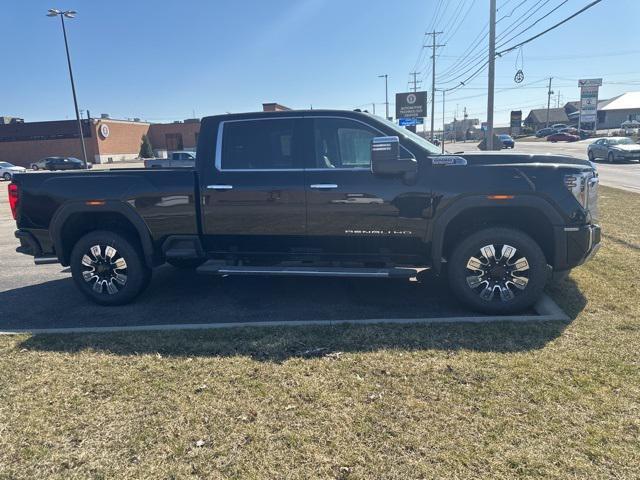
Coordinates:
(45, 260)
(217, 269)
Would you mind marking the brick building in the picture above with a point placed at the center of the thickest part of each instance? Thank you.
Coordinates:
(106, 140)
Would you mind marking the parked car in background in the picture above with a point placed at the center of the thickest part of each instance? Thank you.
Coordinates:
(181, 159)
(543, 132)
(559, 126)
(8, 169)
(507, 141)
(562, 137)
(59, 163)
(613, 149)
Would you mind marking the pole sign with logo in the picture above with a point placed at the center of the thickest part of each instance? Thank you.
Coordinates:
(589, 102)
(516, 122)
(411, 105)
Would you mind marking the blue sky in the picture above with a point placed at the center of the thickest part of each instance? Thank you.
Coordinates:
(164, 60)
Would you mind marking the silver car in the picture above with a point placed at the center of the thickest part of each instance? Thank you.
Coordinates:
(613, 149)
(7, 170)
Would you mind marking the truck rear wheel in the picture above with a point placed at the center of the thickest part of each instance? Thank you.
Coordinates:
(497, 271)
(109, 268)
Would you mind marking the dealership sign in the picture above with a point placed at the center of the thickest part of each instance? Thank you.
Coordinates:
(411, 105)
(589, 100)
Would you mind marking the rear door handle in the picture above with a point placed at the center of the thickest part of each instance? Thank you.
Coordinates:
(219, 187)
(323, 186)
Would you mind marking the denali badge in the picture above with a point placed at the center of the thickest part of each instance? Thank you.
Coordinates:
(378, 232)
(448, 160)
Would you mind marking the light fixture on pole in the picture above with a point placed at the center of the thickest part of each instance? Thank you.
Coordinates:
(53, 12)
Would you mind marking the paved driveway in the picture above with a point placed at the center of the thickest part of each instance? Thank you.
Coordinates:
(620, 175)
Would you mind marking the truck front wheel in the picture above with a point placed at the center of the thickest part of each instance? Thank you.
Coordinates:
(497, 271)
(109, 268)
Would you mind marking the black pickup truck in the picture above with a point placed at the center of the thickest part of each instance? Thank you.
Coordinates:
(318, 193)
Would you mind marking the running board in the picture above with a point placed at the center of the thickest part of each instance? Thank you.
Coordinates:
(217, 269)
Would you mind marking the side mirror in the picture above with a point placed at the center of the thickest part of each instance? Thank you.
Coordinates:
(385, 158)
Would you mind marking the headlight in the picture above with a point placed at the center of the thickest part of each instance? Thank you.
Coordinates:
(577, 185)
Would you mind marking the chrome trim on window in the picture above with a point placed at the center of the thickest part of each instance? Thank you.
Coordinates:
(218, 153)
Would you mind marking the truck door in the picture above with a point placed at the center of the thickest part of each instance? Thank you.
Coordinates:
(351, 210)
(253, 200)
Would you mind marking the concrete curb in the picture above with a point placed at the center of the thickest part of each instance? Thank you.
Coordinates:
(546, 310)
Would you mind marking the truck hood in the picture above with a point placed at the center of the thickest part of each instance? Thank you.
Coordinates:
(498, 158)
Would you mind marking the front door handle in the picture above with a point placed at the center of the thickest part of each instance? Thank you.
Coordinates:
(219, 187)
(324, 186)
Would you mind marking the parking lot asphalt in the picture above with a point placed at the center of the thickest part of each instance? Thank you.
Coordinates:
(625, 176)
(42, 297)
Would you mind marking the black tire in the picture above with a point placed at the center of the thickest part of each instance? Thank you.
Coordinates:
(591, 156)
(7, 176)
(186, 263)
(136, 273)
(499, 274)
(611, 158)
(34, 167)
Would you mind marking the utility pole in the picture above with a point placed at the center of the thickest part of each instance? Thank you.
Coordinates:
(374, 108)
(433, 75)
(415, 81)
(443, 92)
(549, 93)
(386, 93)
(464, 124)
(492, 72)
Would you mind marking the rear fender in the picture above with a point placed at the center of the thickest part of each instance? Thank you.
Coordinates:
(69, 209)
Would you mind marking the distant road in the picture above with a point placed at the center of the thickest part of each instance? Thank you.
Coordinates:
(619, 175)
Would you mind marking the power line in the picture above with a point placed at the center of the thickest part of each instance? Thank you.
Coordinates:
(595, 2)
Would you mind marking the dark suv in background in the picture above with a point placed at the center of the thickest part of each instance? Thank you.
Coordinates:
(59, 163)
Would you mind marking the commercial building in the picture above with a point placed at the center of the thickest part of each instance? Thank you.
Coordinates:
(612, 112)
(537, 118)
(106, 140)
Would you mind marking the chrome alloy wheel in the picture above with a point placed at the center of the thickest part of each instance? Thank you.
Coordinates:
(507, 273)
(105, 269)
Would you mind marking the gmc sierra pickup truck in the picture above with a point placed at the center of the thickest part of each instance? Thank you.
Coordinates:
(318, 193)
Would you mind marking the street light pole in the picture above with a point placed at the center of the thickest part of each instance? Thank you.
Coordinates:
(386, 93)
(62, 15)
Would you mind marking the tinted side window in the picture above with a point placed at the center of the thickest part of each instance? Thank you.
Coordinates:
(342, 143)
(258, 144)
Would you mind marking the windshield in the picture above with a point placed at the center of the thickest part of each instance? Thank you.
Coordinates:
(5, 165)
(408, 135)
(620, 141)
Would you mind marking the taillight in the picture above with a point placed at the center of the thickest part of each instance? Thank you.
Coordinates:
(13, 199)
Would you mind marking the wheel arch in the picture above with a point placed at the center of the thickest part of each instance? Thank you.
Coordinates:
(532, 215)
(73, 220)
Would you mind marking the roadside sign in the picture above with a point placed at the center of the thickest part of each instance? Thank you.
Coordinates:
(590, 82)
(410, 122)
(589, 100)
(411, 105)
(515, 122)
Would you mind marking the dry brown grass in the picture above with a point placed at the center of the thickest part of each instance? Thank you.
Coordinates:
(532, 400)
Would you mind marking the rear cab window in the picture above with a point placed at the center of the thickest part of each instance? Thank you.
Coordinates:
(258, 145)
